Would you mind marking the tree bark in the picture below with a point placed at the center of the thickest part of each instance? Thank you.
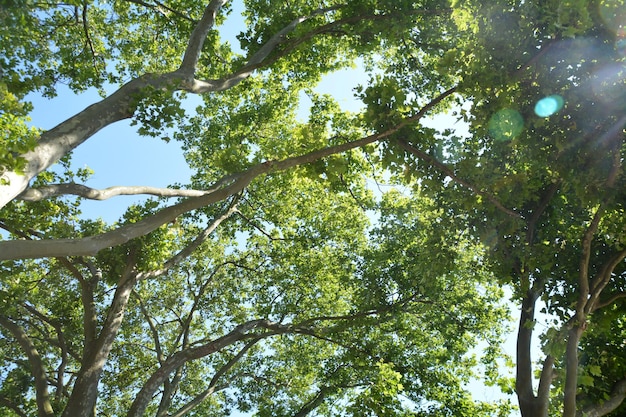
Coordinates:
(143, 398)
(618, 394)
(54, 190)
(84, 395)
(37, 368)
(531, 405)
(65, 137)
(571, 370)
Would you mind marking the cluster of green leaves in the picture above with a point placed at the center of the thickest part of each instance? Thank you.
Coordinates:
(17, 137)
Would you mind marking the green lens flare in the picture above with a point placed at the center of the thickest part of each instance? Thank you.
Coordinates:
(506, 124)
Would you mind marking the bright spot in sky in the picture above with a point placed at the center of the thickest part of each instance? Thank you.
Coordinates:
(506, 124)
(547, 106)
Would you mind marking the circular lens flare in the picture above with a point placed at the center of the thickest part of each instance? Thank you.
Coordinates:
(506, 124)
(613, 13)
(547, 106)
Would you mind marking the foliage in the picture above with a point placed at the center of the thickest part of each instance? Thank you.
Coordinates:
(284, 280)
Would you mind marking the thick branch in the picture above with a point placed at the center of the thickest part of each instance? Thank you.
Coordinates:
(256, 61)
(85, 391)
(571, 367)
(602, 280)
(65, 137)
(539, 209)
(530, 405)
(5, 402)
(198, 36)
(37, 369)
(578, 321)
(232, 184)
(90, 318)
(315, 402)
(618, 394)
(54, 190)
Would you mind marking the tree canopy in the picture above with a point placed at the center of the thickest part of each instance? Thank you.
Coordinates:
(334, 264)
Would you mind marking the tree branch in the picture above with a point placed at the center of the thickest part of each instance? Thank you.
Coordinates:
(530, 405)
(315, 402)
(538, 211)
(55, 190)
(198, 36)
(602, 280)
(188, 250)
(66, 136)
(610, 300)
(12, 406)
(152, 326)
(158, 5)
(37, 368)
(213, 384)
(85, 389)
(256, 61)
(224, 188)
(61, 344)
(617, 396)
(239, 333)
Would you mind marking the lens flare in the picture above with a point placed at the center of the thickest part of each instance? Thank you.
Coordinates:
(506, 124)
(609, 85)
(547, 106)
(613, 14)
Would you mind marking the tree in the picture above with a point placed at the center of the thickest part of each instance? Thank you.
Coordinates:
(263, 275)
(261, 289)
(540, 179)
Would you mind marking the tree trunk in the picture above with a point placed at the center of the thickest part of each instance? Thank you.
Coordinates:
(531, 405)
(571, 375)
(82, 401)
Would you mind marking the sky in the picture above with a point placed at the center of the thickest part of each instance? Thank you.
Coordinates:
(119, 156)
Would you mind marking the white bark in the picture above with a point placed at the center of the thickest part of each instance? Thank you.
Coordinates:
(55, 190)
(89, 246)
